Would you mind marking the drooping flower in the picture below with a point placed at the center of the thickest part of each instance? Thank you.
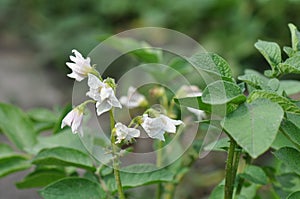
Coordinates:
(125, 133)
(81, 66)
(133, 98)
(74, 120)
(103, 93)
(156, 127)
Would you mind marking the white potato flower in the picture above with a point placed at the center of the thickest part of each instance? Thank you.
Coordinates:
(125, 133)
(156, 127)
(74, 120)
(103, 93)
(81, 66)
(133, 98)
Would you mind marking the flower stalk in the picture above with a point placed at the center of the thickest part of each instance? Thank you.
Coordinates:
(114, 147)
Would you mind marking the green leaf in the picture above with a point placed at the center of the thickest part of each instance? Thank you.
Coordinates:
(17, 126)
(255, 79)
(65, 157)
(281, 141)
(222, 92)
(13, 163)
(271, 51)
(138, 175)
(212, 63)
(249, 191)
(255, 174)
(290, 65)
(219, 145)
(40, 178)
(290, 157)
(289, 51)
(290, 86)
(291, 131)
(5, 150)
(295, 195)
(218, 192)
(295, 37)
(63, 139)
(285, 103)
(73, 188)
(141, 50)
(193, 102)
(42, 115)
(254, 126)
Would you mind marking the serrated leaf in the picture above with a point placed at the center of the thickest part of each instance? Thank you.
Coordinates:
(138, 175)
(271, 51)
(285, 103)
(222, 92)
(73, 188)
(63, 156)
(295, 37)
(16, 125)
(295, 195)
(13, 163)
(212, 63)
(290, 157)
(254, 126)
(40, 178)
(290, 65)
(255, 174)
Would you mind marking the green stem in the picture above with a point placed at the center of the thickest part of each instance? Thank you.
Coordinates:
(158, 164)
(231, 168)
(115, 157)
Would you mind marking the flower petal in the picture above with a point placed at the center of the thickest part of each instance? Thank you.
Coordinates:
(102, 107)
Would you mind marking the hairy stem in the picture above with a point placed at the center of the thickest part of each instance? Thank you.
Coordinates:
(231, 168)
(115, 157)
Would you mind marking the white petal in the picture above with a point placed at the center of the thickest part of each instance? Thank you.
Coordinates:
(77, 121)
(169, 124)
(77, 54)
(67, 121)
(134, 132)
(75, 76)
(102, 107)
(94, 82)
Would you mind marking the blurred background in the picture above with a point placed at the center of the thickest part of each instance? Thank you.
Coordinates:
(36, 38)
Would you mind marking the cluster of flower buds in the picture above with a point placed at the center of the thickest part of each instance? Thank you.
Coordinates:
(102, 93)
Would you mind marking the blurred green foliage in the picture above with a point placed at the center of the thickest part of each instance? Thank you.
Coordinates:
(227, 27)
